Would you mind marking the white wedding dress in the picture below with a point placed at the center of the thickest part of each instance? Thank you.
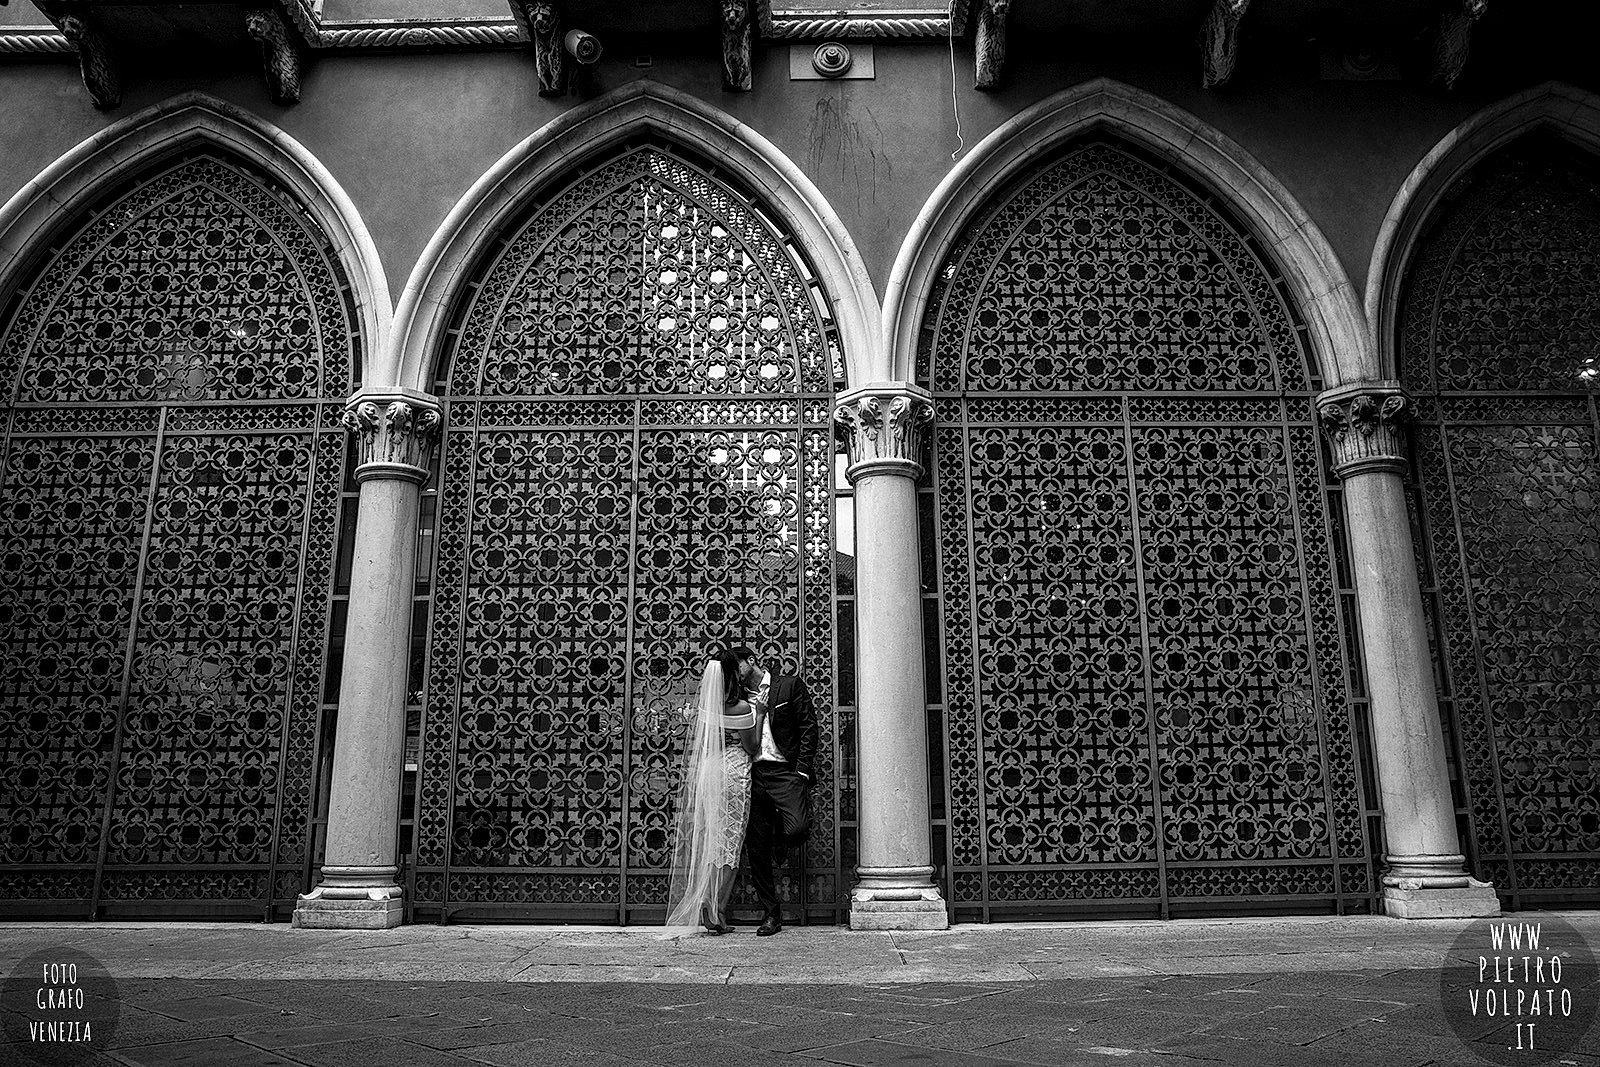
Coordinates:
(713, 808)
(735, 804)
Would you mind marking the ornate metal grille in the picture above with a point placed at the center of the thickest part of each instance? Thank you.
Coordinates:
(1498, 327)
(169, 500)
(1146, 701)
(637, 462)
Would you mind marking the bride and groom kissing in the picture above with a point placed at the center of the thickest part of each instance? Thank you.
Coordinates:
(746, 783)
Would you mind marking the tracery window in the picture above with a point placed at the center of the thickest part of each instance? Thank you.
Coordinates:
(174, 372)
(637, 463)
(1143, 691)
(1498, 323)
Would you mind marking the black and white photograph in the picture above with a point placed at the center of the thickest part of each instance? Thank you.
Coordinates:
(799, 533)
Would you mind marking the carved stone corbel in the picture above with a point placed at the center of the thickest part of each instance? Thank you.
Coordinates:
(395, 437)
(541, 21)
(1219, 41)
(736, 38)
(1452, 38)
(101, 75)
(549, 58)
(1365, 425)
(884, 427)
(280, 54)
(989, 44)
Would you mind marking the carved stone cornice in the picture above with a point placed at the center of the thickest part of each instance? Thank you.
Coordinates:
(280, 54)
(1219, 41)
(915, 20)
(1365, 425)
(807, 28)
(38, 42)
(395, 436)
(423, 34)
(303, 17)
(311, 33)
(885, 427)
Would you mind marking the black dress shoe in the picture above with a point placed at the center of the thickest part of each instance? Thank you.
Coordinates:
(769, 926)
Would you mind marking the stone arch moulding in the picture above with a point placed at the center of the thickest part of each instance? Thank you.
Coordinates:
(1571, 113)
(62, 190)
(1322, 290)
(640, 105)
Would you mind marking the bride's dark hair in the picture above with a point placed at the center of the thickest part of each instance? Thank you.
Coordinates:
(732, 687)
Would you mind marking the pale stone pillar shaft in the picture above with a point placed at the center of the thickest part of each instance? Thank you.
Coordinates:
(1426, 874)
(358, 887)
(892, 786)
(885, 425)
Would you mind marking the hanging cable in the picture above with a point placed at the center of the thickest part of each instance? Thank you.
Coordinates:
(955, 106)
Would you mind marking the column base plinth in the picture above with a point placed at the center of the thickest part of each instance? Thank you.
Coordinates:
(1471, 901)
(897, 898)
(899, 914)
(314, 911)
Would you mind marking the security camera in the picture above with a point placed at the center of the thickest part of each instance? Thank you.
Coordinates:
(584, 47)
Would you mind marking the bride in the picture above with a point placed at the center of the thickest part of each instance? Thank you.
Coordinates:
(713, 801)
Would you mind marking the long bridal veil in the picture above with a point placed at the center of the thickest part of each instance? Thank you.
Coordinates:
(701, 812)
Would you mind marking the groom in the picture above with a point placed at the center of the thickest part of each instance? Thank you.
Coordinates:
(780, 778)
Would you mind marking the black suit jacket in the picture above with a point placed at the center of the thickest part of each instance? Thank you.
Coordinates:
(794, 721)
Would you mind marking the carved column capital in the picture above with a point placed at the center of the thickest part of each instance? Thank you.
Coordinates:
(884, 426)
(1365, 424)
(395, 436)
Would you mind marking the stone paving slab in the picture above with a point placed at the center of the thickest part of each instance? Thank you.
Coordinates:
(1010, 953)
(790, 1026)
(1258, 993)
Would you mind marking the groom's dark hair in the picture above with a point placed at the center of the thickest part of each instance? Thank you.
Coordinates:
(730, 659)
(743, 652)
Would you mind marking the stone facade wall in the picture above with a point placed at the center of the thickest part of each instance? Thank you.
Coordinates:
(406, 134)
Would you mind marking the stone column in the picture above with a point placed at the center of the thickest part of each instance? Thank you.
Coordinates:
(358, 888)
(885, 425)
(1425, 875)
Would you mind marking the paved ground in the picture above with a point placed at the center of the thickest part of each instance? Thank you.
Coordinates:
(1309, 992)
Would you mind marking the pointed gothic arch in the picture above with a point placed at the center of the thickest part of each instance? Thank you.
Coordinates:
(1145, 695)
(186, 299)
(1570, 113)
(1312, 272)
(635, 324)
(60, 192)
(635, 108)
(1483, 295)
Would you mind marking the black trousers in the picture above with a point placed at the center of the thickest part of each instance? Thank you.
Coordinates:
(780, 814)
